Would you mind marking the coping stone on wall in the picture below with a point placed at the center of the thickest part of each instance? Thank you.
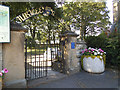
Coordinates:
(17, 27)
(81, 42)
(68, 33)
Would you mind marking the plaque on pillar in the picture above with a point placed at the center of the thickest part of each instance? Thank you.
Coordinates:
(72, 45)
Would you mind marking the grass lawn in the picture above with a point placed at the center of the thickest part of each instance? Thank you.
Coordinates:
(37, 51)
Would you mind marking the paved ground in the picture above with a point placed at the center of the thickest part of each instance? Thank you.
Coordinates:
(108, 79)
(52, 77)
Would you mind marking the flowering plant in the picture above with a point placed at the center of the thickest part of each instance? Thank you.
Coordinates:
(93, 51)
(3, 72)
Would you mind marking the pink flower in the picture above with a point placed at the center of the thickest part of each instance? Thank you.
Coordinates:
(82, 51)
(92, 49)
(1, 74)
(89, 51)
(101, 50)
(5, 70)
(85, 49)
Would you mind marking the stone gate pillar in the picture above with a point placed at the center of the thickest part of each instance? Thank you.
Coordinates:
(71, 63)
(13, 58)
(0, 65)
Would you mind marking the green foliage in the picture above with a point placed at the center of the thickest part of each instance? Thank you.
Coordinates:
(89, 16)
(45, 26)
(96, 41)
(109, 45)
(112, 50)
(17, 8)
(30, 42)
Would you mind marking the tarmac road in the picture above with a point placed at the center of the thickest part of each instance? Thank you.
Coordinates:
(108, 79)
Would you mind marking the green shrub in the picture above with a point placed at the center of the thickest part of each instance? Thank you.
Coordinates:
(96, 41)
(109, 45)
(112, 50)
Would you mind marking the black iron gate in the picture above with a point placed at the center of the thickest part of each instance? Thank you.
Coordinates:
(38, 58)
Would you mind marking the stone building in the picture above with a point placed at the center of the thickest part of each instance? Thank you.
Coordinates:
(116, 10)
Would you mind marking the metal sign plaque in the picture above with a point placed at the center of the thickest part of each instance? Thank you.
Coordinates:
(72, 45)
(4, 24)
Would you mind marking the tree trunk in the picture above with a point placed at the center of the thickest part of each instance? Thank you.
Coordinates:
(83, 31)
(49, 36)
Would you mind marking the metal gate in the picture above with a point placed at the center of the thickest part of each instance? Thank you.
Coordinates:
(38, 58)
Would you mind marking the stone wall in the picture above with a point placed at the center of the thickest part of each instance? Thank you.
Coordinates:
(13, 56)
(81, 45)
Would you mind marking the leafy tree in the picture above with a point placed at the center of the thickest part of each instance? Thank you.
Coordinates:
(16, 8)
(89, 17)
(39, 25)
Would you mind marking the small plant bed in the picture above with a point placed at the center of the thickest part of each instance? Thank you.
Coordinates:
(93, 60)
(3, 72)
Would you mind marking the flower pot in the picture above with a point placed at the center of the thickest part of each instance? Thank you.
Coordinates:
(93, 64)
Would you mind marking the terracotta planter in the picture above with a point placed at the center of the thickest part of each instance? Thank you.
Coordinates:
(93, 64)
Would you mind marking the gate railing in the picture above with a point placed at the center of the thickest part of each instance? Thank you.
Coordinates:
(38, 57)
(35, 60)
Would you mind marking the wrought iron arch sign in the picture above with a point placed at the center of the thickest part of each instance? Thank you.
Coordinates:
(42, 10)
